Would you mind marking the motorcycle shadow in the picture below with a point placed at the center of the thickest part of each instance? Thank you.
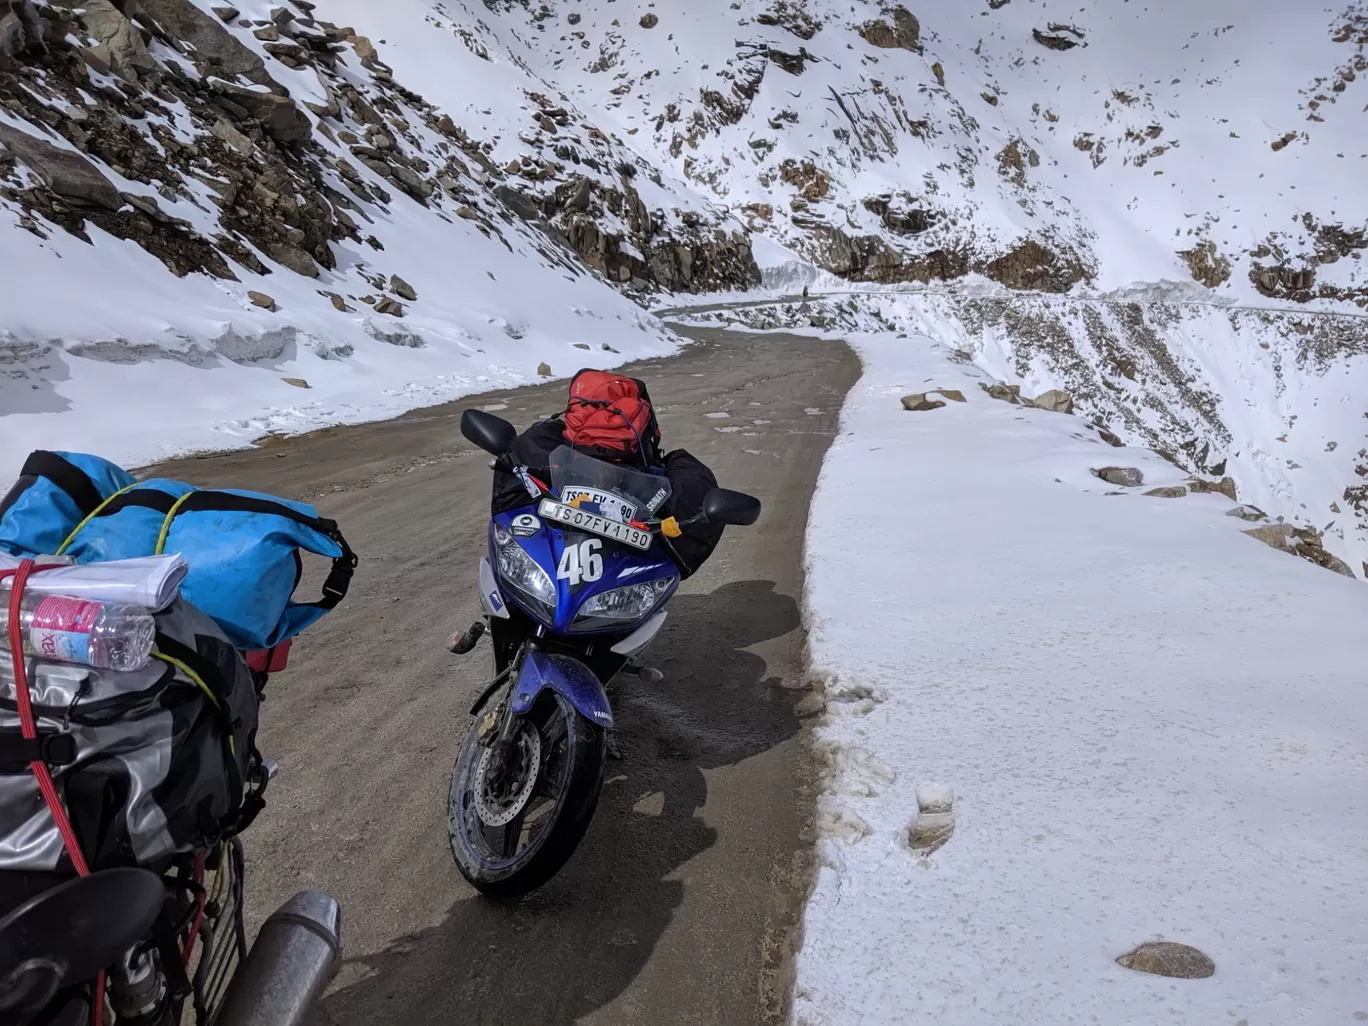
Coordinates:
(577, 944)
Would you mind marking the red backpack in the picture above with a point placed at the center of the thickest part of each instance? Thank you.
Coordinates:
(611, 416)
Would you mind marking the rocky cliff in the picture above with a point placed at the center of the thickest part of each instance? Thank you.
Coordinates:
(287, 130)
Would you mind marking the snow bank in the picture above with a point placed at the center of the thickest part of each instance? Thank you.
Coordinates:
(1153, 726)
(1269, 397)
(115, 354)
(103, 348)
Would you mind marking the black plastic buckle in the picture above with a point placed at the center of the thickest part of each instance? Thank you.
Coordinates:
(59, 749)
(55, 748)
(339, 580)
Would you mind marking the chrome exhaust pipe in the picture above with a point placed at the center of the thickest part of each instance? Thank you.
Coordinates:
(294, 956)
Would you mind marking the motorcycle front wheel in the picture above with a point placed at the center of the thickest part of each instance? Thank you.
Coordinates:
(513, 826)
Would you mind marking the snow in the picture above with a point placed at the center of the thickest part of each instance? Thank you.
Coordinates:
(168, 382)
(1152, 725)
(1282, 409)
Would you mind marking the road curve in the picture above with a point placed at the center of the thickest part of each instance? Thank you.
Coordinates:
(680, 905)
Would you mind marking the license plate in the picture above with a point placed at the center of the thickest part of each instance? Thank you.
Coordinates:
(569, 516)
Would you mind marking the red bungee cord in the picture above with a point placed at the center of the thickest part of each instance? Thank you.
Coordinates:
(29, 728)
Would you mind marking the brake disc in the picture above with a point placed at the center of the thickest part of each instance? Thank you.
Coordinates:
(501, 811)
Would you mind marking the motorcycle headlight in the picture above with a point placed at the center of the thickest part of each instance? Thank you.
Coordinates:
(621, 606)
(521, 573)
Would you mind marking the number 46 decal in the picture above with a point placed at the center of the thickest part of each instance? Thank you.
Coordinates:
(581, 562)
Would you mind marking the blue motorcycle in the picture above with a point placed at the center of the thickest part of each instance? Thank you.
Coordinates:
(574, 586)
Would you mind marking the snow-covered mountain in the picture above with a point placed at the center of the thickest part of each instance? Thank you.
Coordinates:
(1188, 175)
(1184, 177)
(207, 209)
(1128, 142)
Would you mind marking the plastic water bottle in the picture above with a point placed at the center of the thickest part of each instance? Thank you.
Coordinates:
(105, 635)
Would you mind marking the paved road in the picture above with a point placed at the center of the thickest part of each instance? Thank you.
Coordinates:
(679, 905)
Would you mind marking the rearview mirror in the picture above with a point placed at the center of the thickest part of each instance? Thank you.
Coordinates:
(492, 434)
(723, 506)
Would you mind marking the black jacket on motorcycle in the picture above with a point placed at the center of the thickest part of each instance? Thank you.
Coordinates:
(690, 481)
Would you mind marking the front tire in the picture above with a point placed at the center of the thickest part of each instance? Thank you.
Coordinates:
(512, 830)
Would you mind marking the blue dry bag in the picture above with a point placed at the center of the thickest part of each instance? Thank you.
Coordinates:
(54, 493)
(242, 549)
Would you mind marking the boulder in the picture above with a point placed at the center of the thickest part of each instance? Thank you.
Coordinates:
(1056, 400)
(293, 258)
(544, 370)
(649, 21)
(412, 181)
(1108, 437)
(214, 49)
(1168, 492)
(118, 43)
(65, 172)
(1279, 536)
(1007, 393)
(1207, 264)
(262, 300)
(149, 206)
(1338, 565)
(953, 394)
(1052, 41)
(935, 818)
(1225, 486)
(21, 29)
(1310, 545)
(279, 117)
(402, 288)
(297, 382)
(227, 14)
(393, 307)
(1248, 513)
(903, 34)
(364, 48)
(225, 131)
(930, 832)
(520, 203)
(919, 401)
(1166, 958)
(332, 108)
(1124, 477)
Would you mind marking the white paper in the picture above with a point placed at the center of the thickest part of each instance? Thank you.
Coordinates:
(151, 582)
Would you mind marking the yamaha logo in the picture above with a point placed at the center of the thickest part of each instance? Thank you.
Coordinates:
(525, 525)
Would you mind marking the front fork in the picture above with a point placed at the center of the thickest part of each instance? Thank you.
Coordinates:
(500, 726)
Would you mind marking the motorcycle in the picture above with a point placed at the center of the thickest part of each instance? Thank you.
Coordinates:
(573, 589)
(141, 944)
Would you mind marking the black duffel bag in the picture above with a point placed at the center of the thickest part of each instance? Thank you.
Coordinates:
(150, 764)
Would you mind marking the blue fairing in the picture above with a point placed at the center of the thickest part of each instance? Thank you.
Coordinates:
(622, 566)
(568, 677)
